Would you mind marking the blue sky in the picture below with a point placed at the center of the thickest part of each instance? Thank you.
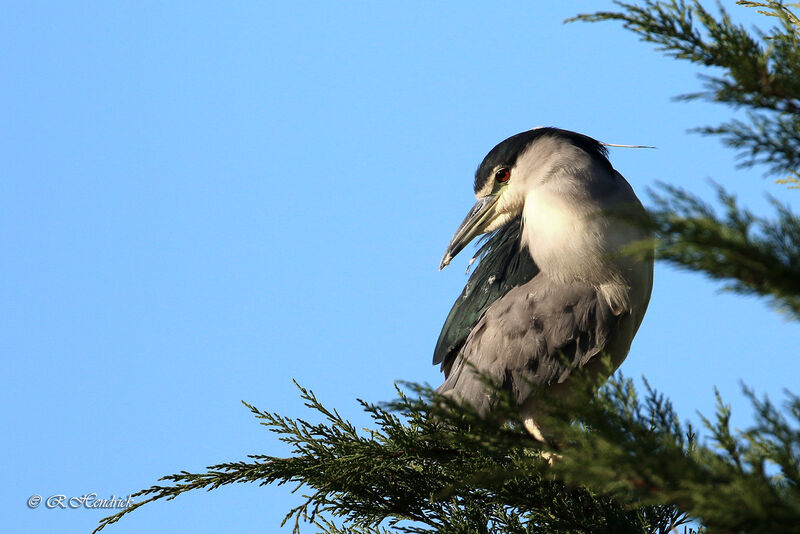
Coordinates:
(204, 201)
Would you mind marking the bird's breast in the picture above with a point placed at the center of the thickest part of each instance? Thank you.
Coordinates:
(565, 239)
(575, 240)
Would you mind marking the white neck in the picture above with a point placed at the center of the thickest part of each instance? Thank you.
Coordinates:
(574, 241)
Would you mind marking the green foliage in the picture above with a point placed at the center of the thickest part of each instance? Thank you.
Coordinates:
(625, 465)
(754, 255)
(735, 481)
(426, 466)
(760, 73)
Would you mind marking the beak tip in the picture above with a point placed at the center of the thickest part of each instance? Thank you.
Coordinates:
(473, 225)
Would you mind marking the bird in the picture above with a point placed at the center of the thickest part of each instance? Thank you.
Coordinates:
(553, 289)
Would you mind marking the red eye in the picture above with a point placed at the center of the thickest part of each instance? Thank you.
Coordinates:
(502, 175)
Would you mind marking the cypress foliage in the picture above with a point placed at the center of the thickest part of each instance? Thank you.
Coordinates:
(627, 463)
(428, 465)
(760, 73)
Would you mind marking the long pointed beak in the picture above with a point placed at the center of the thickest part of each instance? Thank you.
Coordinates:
(473, 225)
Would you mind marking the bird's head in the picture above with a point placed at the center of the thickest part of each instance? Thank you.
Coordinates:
(522, 164)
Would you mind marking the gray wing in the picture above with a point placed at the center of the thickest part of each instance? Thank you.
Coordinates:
(534, 336)
(502, 266)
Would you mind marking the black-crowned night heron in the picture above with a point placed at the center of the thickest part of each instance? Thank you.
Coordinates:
(552, 290)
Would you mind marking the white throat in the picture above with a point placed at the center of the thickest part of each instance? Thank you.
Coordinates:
(574, 241)
(564, 239)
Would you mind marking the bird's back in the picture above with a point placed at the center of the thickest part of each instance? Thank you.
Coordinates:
(533, 336)
(503, 264)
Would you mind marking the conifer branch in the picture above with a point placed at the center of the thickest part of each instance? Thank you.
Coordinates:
(755, 255)
(760, 73)
(423, 467)
(630, 465)
(732, 481)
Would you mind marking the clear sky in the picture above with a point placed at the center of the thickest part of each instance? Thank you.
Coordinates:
(204, 200)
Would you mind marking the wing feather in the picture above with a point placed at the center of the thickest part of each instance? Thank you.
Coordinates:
(533, 336)
(502, 266)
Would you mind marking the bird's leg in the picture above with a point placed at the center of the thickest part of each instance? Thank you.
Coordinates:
(536, 431)
(536, 408)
